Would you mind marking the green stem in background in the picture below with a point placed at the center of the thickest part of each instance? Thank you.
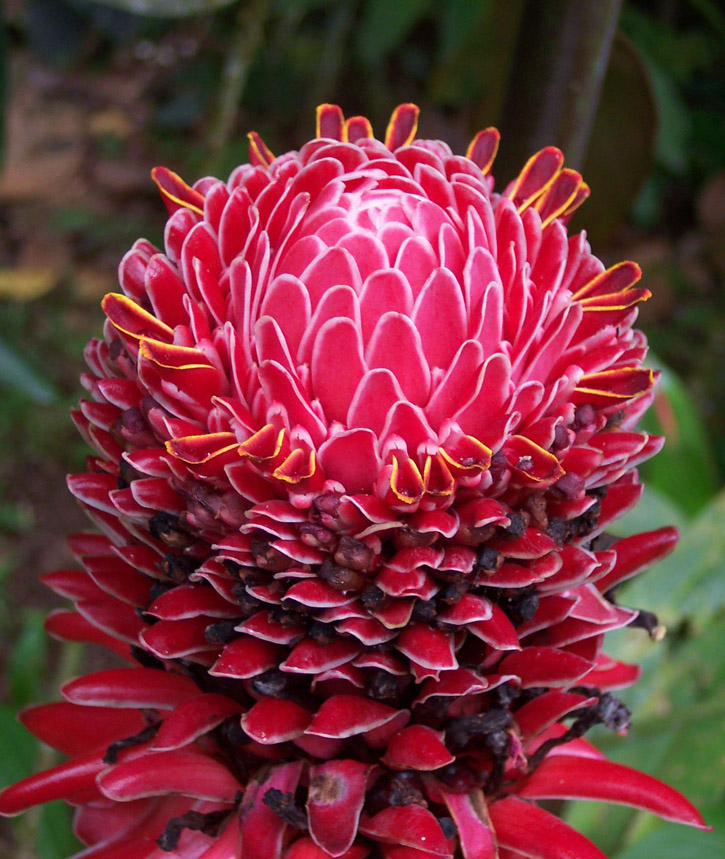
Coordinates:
(70, 663)
(341, 21)
(561, 58)
(245, 41)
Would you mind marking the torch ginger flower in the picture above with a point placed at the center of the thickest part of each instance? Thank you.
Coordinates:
(357, 430)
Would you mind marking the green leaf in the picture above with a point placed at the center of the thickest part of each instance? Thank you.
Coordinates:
(685, 469)
(17, 372)
(655, 510)
(26, 666)
(621, 151)
(674, 122)
(49, 829)
(678, 707)
(17, 747)
(166, 8)
(671, 841)
(384, 26)
(55, 839)
(16, 518)
(691, 581)
(475, 55)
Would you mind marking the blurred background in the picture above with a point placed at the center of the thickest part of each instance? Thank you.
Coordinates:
(93, 94)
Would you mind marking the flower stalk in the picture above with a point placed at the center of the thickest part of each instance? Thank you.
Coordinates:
(555, 84)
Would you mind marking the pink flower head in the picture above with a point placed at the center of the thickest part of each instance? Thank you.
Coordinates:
(357, 430)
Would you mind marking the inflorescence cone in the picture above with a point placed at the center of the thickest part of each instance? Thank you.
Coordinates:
(358, 432)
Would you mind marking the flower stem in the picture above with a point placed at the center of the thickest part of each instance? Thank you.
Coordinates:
(562, 55)
(245, 41)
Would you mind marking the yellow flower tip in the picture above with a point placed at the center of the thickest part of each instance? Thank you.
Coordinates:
(175, 192)
(296, 467)
(144, 350)
(406, 483)
(259, 154)
(330, 122)
(402, 126)
(634, 268)
(107, 299)
(483, 149)
(537, 177)
(358, 128)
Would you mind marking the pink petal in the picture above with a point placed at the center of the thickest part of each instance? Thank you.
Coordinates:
(132, 321)
(347, 715)
(130, 687)
(475, 831)
(384, 291)
(568, 777)
(335, 800)
(546, 709)
(610, 673)
(71, 626)
(417, 747)
(172, 639)
(534, 832)
(262, 830)
(453, 684)
(193, 719)
(544, 666)
(163, 773)
(416, 260)
(368, 252)
(281, 387)
(636, 552)
(428, 647)
(498, 631)
(337, 366)
(396, 613)
(378, 738)
(533, 544)
(468, 609)
(368, 631)
(187, 601)
(488, 396)
(271, 344)
(273, 720)
(58, 724)
(395, 345)
(409, 826)
(352, 459)
(305, 848)
(373, 400)
(333, 268)
(261, 625)
(72, 584)
(440, 317)
(287, 301)
(309, 657)
(315, 593)
(246, 657)
(74, 780)
(551, 611)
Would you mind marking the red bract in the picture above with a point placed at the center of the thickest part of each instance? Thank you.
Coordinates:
(357, 432)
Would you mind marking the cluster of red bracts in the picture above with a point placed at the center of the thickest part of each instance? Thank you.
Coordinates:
(359, 433)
